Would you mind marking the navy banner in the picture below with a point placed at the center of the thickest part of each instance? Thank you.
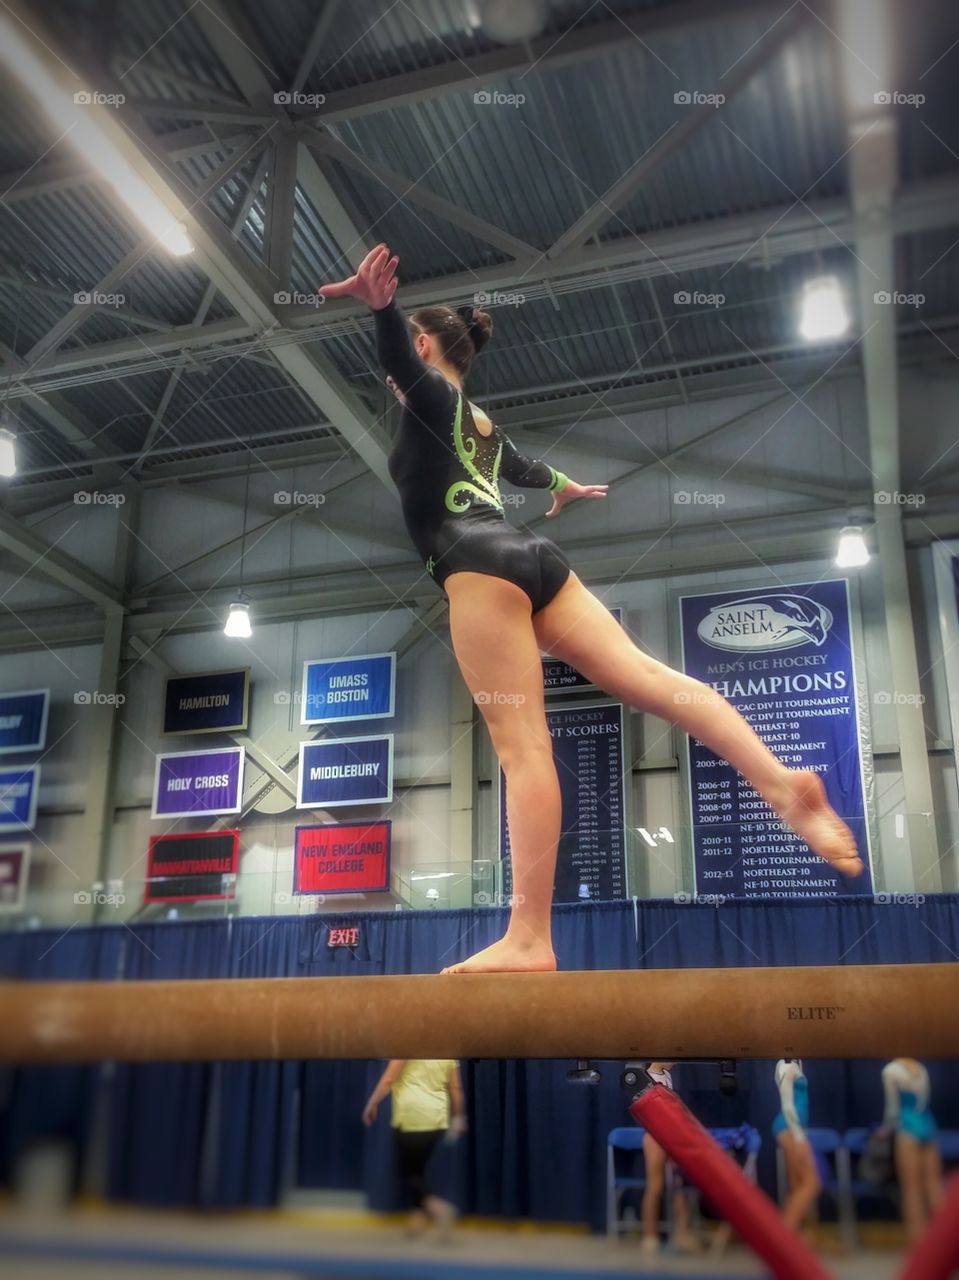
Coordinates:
(23, 720)
(345, 771)
(14, 865)
(945, 557)
(192, 866)
(208, 702)
(560, 677)
(361, 688)
(19, 793)
(783, 657)
(197, 783)
(588, 751)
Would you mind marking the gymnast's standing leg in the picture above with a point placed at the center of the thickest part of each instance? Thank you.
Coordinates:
(512, 593)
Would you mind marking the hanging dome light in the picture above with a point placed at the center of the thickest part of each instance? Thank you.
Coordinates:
(823, 313)
(512, 21)
(239, 624)
(8, 453)
(852, 551)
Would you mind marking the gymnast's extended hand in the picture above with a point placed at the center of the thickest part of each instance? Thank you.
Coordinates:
(573, 490)
(373, 283)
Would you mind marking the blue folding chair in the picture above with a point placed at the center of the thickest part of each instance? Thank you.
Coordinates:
(853, 1189)
(948, 1142)
(620, 1182)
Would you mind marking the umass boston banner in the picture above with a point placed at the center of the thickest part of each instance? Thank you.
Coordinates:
(783, 658)
(588, 751)
(361, 688)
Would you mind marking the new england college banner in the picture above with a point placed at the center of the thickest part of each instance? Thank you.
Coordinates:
(342, 857)
(945, 556)
(589, 755)
(783, 657)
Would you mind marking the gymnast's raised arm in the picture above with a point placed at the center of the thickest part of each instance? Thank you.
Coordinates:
(414, 382)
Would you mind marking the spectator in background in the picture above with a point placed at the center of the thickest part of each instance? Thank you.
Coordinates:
(658, 1169)
(427, 1104)
(905, 1083)
(789, 1128)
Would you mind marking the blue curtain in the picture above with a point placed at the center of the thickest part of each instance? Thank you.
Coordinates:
(233, 1134)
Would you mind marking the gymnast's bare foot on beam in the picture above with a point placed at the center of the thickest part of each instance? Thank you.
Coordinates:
(510, 955)
(807, 810)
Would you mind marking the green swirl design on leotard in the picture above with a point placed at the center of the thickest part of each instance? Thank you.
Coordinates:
(485, 490)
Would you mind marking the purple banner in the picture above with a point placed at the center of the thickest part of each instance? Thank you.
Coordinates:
(189, 783)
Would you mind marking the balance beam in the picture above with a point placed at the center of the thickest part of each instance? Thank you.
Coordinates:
(845, 1011)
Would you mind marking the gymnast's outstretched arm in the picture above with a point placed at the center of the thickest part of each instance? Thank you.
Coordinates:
(528, 473)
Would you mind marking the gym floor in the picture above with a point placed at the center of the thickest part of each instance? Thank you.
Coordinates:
(105, 1243)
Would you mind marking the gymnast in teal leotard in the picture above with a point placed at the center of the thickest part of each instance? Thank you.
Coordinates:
(789, 1128)
(905, 1085)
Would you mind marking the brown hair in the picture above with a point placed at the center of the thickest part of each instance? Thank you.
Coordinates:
(461, 334)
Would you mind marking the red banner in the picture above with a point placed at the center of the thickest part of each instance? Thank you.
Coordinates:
(342, 857)
(192, 866)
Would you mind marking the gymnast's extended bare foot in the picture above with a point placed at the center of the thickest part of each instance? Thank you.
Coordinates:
(510, 955)
(808, 811)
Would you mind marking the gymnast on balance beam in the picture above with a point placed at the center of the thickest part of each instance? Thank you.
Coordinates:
(512, 594)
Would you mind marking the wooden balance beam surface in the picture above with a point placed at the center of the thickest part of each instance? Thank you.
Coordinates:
(846, 1011)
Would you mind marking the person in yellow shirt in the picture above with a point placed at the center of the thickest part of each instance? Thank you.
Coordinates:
(427, 1100)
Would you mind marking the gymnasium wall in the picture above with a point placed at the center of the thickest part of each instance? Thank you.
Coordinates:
(177, 524)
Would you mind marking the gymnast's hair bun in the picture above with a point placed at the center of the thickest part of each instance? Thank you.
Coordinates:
(481, 329)
(479, 325)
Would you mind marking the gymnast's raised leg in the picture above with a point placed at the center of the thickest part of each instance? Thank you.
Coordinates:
(491, 627)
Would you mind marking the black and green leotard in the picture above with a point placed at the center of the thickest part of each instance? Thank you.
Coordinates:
(447, 473)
